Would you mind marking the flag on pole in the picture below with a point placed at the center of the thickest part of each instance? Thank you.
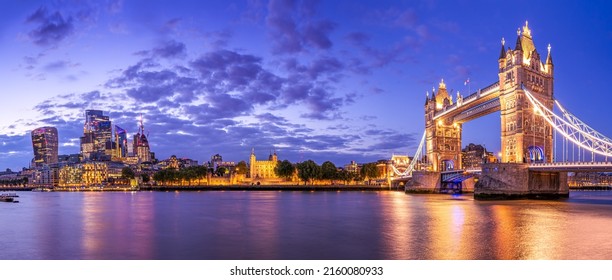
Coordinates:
(466, 82)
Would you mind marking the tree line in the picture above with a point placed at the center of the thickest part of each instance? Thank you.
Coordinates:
(193, 173)
(309, 171)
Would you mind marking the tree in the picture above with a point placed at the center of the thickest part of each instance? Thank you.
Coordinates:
(201, 172)
(189, 174)
(145, 178)
(221, 171)
(127, 173)
(284, 169)
(329, 171)
(241, 167)
(346, 176)
(166, 175)
(369, 171)
(160, 176)
(308, 170)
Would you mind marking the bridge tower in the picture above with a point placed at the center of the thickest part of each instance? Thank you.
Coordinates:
(443, 136)
(525, 135)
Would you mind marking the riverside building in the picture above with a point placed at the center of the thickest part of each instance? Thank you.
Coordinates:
(45, 145)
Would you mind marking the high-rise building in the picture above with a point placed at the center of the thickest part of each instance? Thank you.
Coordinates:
(141, 145)
(97, 134)
(121, 142)
(45, 145)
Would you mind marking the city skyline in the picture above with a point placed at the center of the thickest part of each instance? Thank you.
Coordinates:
(313, 80)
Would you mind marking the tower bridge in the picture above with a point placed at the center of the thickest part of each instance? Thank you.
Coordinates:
(524, 96)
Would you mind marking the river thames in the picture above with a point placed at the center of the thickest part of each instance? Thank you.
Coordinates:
(288, 225)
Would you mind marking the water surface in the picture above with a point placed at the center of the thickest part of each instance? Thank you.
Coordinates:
(302, 225)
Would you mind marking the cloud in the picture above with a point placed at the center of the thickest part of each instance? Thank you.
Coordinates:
(170, 25)
(223, 101)
(59, 65)
(384, 142)
(32, 61)
(358, 38)
(317, 34)
(114, 6)
(170, 49)
(321, 105)
(254, 12)
(325, 66)
(219, 39)
(293, 28)
(407, 18)
(50, 29)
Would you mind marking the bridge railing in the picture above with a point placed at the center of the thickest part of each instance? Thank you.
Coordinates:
(473, 169)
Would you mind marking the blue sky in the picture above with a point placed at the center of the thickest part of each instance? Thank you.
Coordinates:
(321, 80)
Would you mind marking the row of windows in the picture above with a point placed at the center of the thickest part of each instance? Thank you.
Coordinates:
(445, 146)
(535, 79)
(511, 126)
(446, 134)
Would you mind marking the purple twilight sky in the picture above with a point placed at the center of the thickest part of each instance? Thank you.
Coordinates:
(321, 80)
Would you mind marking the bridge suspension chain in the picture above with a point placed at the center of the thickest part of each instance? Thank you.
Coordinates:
(415, 159)
(581, 125)
(572, 128)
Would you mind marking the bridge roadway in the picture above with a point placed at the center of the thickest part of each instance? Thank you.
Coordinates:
(572, 166)
(478, 104)
(604, 166)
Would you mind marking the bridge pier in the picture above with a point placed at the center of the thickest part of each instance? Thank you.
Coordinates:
(516, 181)
(424, 182)
(436, 182)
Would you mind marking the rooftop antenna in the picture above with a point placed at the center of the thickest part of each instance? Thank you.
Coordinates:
(141, 124)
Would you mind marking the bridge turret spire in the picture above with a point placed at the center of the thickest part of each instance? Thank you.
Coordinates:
(519, 46)
(526, 30)
(502, 54)
(549, 62)
(549, 57)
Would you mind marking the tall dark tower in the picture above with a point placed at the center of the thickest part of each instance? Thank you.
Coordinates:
(45, 145)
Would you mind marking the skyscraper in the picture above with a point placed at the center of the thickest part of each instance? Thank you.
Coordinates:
(97, 134)
(141, 144)
(45, 145)
(121, 142)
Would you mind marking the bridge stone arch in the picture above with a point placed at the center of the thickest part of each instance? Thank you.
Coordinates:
(522, 126)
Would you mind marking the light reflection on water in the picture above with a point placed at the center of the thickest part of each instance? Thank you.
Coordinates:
(302, 225)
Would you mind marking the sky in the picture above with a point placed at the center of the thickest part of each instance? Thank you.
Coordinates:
(320, 80)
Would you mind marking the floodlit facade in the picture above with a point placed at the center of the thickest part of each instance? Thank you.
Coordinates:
(263, 169)
(85, 174)
(45, 145)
